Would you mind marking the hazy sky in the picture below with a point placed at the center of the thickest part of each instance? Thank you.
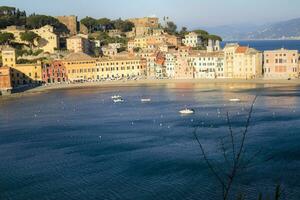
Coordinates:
(192, 13)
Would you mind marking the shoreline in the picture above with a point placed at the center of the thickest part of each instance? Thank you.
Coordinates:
(154, 82)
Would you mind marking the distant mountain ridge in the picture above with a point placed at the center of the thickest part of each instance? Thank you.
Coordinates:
(289, 29)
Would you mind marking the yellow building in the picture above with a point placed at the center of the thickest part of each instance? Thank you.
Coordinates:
(49, 40)
(229, 51)
(78, 43)
(140, 42)
(16, 30)
(144, 26)
(247, 63)
(9, 58)
(21, 74)
(81, 67)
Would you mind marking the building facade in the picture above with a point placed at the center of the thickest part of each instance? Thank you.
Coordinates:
(81, 67)
(183, 70)
(79, 43)
(207, 65)
(49, 41)
(21, 74)
(144, 26)
(192, 40)
(281, 64)
(247, 63)
(5, 80)
(54, 72)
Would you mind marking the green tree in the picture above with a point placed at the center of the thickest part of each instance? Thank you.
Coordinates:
(90, 23)
(183, 31)
(124, 26)
(38, 21)
(201, 32)
(171, 27)
(105, 24)
(215, 37)
(29, 37)
(6, 38)
(11, 16)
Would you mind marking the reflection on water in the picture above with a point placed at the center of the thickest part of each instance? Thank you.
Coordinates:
(77, 144)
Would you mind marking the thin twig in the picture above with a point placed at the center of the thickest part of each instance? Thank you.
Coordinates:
(207, 161)
(231, 136)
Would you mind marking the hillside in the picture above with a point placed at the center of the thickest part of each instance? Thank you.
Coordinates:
(289, 29)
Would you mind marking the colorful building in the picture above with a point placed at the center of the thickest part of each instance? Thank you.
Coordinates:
(5, 80)
(281, 64)
(182, 68)
(21, 74)
(54, 72)
(81, 67)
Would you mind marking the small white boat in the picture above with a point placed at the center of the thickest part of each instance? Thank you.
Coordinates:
(234, 100)
(145, 100)
(187, 111)
(119, 100)
(116, 97)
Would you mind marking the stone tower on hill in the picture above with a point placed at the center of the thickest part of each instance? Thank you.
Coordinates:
(71, 23)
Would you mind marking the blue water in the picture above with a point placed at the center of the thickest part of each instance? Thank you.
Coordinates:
(269, 44)
(77, 144)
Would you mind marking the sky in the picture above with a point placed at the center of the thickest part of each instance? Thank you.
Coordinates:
(189, 13)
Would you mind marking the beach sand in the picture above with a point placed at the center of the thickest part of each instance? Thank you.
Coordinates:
(137, 83)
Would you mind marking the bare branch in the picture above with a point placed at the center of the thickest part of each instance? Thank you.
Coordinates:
(231, 136)
(210, 166)
(246, 130)
(224, 152)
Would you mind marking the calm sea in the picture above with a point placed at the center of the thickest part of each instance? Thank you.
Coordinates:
(269, 44)
(77, 144)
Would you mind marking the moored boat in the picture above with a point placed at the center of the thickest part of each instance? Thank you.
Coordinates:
(145, 100)
(187, 111)
(234, 100)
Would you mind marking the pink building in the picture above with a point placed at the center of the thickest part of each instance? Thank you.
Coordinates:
(281, 64)
(55, 72)
(182, 68)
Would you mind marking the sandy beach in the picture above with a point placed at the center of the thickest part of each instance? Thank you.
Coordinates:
(137, 83)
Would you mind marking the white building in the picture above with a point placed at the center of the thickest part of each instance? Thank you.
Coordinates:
(192, 40)
(207, 65)
(213, 46)
(170, 63)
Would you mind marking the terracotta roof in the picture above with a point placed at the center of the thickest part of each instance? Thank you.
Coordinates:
(78, 56)
(241, 49)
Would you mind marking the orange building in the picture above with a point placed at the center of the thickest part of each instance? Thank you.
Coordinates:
(5, 80)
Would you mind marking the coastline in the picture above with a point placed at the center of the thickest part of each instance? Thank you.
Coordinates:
(154, 82)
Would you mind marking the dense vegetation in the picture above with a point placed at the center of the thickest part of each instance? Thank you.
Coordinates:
(104, 24)
(6, 38)
(12, 16)
(37, 21)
